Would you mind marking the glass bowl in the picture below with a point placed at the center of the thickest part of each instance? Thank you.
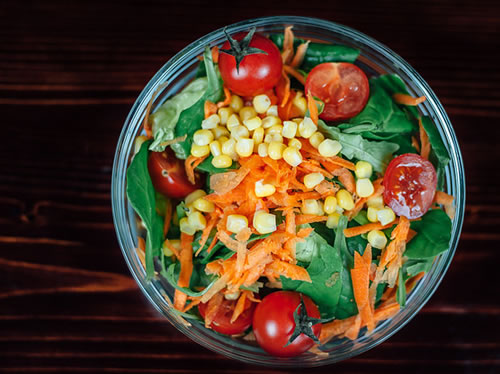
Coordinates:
(375, 58)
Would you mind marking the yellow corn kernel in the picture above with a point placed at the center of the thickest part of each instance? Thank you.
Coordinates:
(222, 161)
(376, 202)
(189, 208)
(224, 113)
(215, 148)
(229, 148)
(176, 243)
(261, 103)
(316, 139)
(275, 150)
(363, 169)
(211, 122)
(307, 128)
(273, 138)
(239, 132)
(200, 150)
(244, 147)
(195, 195)
(311, 180)
(364, 187)
(371, 214)
(344, 200)
(292, 156)
(204, 205)
(262, 150)
(377, 239)
(233, 121)
(289, 129)
(264, 222)
(295, 143)
(203, 137)
(329, 148)
(197, 221)
(386, 215)
(333, 220)
(276, 129)
(232, 296)
(301, 103)
(298, 120)
(258, 136)
(247, 112)
(311, 206)
(220, 131)
(223, 139)
(270, 121)
(264, 190)
(138, 143)
(185, 227)
(330, 205)
(236, 103)
(236, 222)
(252, 123)
(272, 111)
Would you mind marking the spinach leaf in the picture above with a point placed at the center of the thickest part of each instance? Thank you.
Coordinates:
(172, 276)
(401, 291)
(207, 167)
(413, 267)
(321, 229)
(181, 210)
(376, 153)
(325, 272)
(433, 235)
(439, 154)
(165, 118)
(190, 119)
(141, 195)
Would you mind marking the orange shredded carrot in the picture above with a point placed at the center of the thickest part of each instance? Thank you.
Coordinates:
(223, 183)
(411, 235)
(212, 245)
(240, 307)
(299, 55)
(326, 189)
(190, 164)
(216, 287)
(209, 108)
(415, 144)
(353, 331)
(186, 260)
(443, 198)
(243, 235)
(294, 73)
(360, 275)
(212, 309)
(302, 219)
(283, 89)
(290, 222)
(424, 141)
(287, 45)
(206, 232)
(399, 235)
(168, 217)
(407, 99)
(288, 270)
(227, 98)
(215, 54)
(313, 108)
(363, 229)
(346, 178)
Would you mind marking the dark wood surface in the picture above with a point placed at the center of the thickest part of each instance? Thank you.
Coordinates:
(69, 73)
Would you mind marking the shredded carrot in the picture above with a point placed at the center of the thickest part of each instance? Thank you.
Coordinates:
(212, 309)
(283, 89)
(443, 198)
(216, 287)
(407, 99)
(190, 164)
(287, 45)
(326, 189)
(346, 178)
(360, 275)
(212, 245)
(243, 235)
(209, 109)
(424, 141)
(206, 232)
(215, 54)
(363, 229)
(313, 108)
(415, 144)
(168, 217)
(290, 222)
(353, 331)
(302, 219)
(240, 306)
(141, 251)
(288, 270)
(191, 305)
(223, 183)
(411, 235)
(227, 98)
(399, 235)
(294, 73)
(299, 55)
(179, 139)
(186, 260)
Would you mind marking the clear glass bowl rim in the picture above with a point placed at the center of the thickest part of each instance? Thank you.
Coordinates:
(455, 177)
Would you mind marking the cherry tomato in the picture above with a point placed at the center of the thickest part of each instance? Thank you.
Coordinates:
(169, 176)
(409, 185)
(222, 321)
(257, 72)
(273, 323)
(343, 87)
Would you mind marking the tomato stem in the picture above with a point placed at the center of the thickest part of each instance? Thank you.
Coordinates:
(240, 49)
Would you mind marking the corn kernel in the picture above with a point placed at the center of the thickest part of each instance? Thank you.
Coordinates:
(338, 209)
(264, 190)
(295, 143)
(236, 103)
(239, 132)
(330, 205)
(292, 156)
(189, 209)
(185, 227)
(321, 210)
(232, 296)
(261, 103)
(222, 161)
(236, 222)
(364, 187)
(176, 243)
(273, 138)
(298, 120)
(229, 147)
(377, 239)
(264, 222)
(376, 202)
(316, 139)
(203, 137)
(220, 131)
(244, 147)
(195, 195)
(270, 121)
(311, 206)
(252, 123)
(300, 103)
(371, 214)
(233, 121)
(200, 150)
(276, 129)
(311, 180)
(386, 215)
(197, 221)
(211, 122)
(224, 113)
(258, 136)
(344, 200)
(329, 148)
(307, 128)
(262, 149)
(204, 205)
(247, 112)
(275, 150)
(272, 111)
(215, 148)
(333, 220)
(289, 129)
(363, 169)
(138, 143)
(223, 139)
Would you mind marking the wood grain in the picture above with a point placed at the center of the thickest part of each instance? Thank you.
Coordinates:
(69, 73)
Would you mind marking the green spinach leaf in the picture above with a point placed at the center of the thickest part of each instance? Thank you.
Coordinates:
(413, 267)
(172, 276)
(401, 292)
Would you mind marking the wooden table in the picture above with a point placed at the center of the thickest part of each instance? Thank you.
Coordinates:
(69, 73)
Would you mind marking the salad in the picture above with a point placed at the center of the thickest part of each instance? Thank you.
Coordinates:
(287, 196)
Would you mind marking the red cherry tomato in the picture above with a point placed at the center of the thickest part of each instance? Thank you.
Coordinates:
(222, 321)
(273, 323)
(257, 72)
(169, 176)
(343, 87)
(409, 185)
